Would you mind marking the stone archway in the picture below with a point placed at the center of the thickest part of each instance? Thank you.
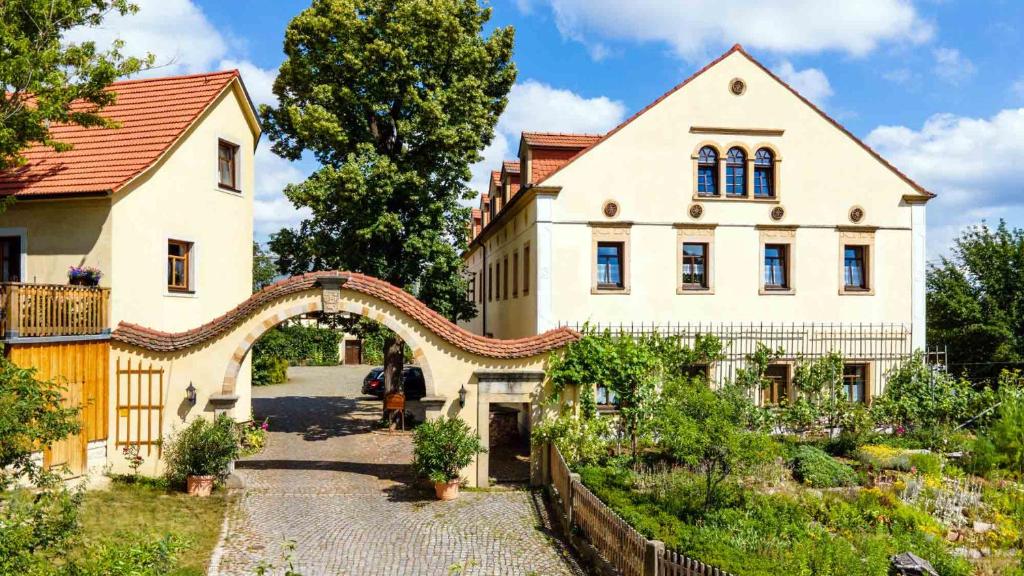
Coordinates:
(460, 368)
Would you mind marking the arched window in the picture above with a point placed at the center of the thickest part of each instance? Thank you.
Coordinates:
(764, 184)
(735, 173)
(707, 172)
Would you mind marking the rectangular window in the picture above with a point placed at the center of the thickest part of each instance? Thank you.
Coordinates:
(227, 165)
(855, 382)
(609, 265)
(605, 397)
(697, 371)
(504, 280)
(706, 180)
(735, 180)
(763, 182)
(480, 287)
(777, 390)
(490, 283)
(10, 259)
(471, 289)
(855, 267)
(515, 274)
(776, 267)
(179, 263)
(526, 269)
(695, 266)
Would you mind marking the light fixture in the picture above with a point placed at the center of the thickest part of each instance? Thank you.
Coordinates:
(462, 396)
(190, 394)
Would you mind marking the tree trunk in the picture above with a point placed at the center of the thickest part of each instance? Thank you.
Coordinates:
(394, 357)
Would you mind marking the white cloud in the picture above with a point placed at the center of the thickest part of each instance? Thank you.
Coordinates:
(901, 76)
(693, 28)
(536, 106)
(258, 81)
(952, 66)
(973, 164)
(273, 214)
(1018, 88)
(811, 82)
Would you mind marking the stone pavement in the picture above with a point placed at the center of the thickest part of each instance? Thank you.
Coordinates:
(345, 494)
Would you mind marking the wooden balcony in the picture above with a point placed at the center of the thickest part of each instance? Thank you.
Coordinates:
(53, 310)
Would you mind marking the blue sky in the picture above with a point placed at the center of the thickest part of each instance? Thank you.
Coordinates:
(936, 86)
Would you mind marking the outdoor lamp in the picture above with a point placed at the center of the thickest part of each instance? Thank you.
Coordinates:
(190, 394)
(462, 396)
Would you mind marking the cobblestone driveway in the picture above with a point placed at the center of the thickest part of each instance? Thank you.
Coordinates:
(345, 495)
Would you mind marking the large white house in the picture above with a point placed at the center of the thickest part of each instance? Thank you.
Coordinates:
(732, 205)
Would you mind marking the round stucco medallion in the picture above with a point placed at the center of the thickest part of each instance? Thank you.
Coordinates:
(696, 211)
(610, 209)
(856, 214)
(737, 86)
(778, 213)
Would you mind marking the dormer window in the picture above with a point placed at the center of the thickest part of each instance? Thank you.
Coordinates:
(735, 173)
(707, 172)
(227, 166)
(764, 182)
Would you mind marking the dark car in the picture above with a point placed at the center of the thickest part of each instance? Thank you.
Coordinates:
(413, 383)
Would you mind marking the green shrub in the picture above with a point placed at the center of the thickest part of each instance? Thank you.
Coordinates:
(443, 447)
(581, 441)
(882, 457)
(203, 448)
(817, 469)
(267, 370)
(300, 345)
(926, 463)
(144, 558)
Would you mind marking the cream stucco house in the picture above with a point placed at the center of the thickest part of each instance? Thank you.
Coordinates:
(730, 205)
(162, 206)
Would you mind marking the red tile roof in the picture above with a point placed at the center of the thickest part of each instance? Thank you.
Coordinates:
(737, 48)
(496, 177)
(153, 114)
(560, 140)
(157, 341)
(510, 166)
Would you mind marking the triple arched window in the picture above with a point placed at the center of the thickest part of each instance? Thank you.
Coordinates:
(740, 175)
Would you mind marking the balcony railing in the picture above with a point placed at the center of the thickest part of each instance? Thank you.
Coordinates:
(53, 310)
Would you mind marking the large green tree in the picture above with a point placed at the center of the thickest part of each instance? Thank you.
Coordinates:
(41, 73)
(395, 99)
(976, 301)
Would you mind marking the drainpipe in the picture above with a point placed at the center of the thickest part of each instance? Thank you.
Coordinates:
(484, 287)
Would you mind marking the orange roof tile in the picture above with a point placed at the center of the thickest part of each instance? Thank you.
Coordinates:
(560, 140)
(153, 114)
(495, 177)
(510, 166)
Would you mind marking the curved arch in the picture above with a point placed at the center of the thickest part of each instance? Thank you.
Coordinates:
(323, 288)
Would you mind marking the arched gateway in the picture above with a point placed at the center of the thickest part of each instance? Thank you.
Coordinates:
(209, 357)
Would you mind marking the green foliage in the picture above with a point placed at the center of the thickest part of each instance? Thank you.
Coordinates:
(203, 448)
(263, 268)
(443, 447)
(751, 376)
(375, 336)
(814, 467)
(701, 429)
(395, 100)
(1002, 445)
(42, 73)
(252, 437)
(582, 441)
(141, 558)
(31, 415)
(36, 526)
(300, 345)
(976, 300)
(267, 370)
(920, 397)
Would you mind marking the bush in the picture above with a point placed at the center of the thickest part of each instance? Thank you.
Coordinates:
(300, 345)
(267, 370)
(147, 558)
(202, 448)
(817, 469)
(443, 447)
(581, 441)
(918, 396)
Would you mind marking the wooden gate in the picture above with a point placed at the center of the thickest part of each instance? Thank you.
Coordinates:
(353, 352)
(82, 368)
(140, 407)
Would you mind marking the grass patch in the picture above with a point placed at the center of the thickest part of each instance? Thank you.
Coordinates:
(127, 511)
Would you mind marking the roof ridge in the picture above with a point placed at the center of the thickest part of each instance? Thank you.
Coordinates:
(232, 72)
(542, 133)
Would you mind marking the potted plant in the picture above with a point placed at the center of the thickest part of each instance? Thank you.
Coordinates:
(84, 276)
(441, 449)
(200, 455)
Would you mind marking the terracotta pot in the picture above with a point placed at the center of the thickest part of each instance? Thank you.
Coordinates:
(200, 485)
(447, 490)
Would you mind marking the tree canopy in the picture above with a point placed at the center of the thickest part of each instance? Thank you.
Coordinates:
(41, 73)
(976, 301)
(396, 99)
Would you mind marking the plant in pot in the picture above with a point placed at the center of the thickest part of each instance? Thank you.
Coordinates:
(84, 276)
(200, 455)
(441, 449)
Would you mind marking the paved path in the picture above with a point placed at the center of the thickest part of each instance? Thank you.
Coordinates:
(346, 495)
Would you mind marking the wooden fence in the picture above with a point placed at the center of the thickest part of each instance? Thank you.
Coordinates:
(140, 405)
(37, 310)
(622, 549)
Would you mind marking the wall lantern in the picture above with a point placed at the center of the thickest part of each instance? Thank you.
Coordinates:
(190, 394)
(462, 396)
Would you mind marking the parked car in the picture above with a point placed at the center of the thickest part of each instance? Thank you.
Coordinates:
(413, 383)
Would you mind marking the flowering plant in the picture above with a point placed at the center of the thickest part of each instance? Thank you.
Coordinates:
(131, 454)
(84, 275)
(253, 437)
